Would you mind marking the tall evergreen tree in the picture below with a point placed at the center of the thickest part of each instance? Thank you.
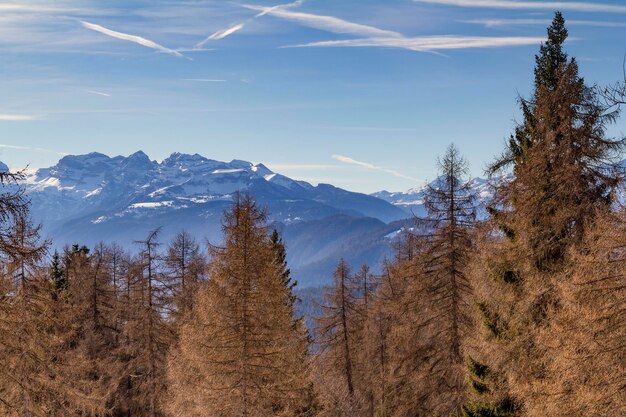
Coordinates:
(57, 274)
(564, 177)
(563, 162)
(280, 254)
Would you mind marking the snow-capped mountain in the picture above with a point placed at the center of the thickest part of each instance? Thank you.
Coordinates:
(412, 201)
(90, 198)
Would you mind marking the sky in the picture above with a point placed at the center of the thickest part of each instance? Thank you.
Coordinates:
(363, 94)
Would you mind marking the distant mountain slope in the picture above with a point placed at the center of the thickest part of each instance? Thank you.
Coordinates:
(412, 201)
(94, 197)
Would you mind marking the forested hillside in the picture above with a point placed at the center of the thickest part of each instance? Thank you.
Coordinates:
(517, 309)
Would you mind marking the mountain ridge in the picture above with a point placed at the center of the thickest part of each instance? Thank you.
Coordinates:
(95, 197)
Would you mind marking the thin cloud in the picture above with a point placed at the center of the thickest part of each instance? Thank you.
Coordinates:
(131, 38)
(98, 93)
(326, 23)
(371, 167)
(31, 149)
(428, 43)
(491, 23)
(221, 34)
(268, 10)
(17, 118)
(376, 37)
(532, 5)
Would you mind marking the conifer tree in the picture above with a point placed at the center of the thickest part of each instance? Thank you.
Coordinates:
(185, 267)
(562, 160)
(57, 274)
(118, 260)
(345, 388)
(36, 373)
(429, 362)
(241, 352)
(563, 177)
(143, 330)
(151, 334)
(94, 322)
(387, 311)
(280, 254)
(336, 327)
(586, 336)
(369, 339)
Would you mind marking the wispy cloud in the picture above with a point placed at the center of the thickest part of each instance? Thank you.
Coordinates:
(131, 38)
(16, 117)
(371, 167)
(377, 37)
(221, 34)
(31, 149)
(326, 23)
(428, 43)
(280, 6)
(532, 5)
(98, 93)
(491, 23)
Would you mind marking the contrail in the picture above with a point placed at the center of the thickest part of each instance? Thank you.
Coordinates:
(131, 38)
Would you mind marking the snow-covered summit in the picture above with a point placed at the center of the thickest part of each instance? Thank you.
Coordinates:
(187, 175)
(127, 195)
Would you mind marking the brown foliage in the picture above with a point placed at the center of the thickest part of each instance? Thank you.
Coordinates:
(242, 352)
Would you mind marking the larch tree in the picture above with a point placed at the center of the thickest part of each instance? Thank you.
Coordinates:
(338, 339)
(185, 267)
(430, 355)
(151, 332)
(368, 338)
(36, 375)
(22, 352)
(241, 352)
(386, 312)
(145, 333)
(94, 323)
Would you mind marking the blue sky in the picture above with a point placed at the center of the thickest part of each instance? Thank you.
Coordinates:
(363, 94)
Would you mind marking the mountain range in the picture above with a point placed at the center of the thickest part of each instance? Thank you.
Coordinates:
(91, 198)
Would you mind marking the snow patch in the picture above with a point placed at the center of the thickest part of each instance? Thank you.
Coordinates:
(228, 171)
(93, 193)
(151, 205)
